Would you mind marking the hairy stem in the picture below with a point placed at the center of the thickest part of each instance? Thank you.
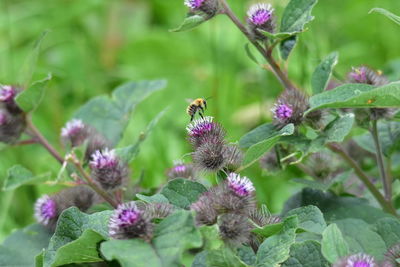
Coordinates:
(386, 205)
(379, 158)
(43, 141)
(267, 54)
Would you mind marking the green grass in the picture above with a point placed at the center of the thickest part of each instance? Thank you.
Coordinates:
(95, 45)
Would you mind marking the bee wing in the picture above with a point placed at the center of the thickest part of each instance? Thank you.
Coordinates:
(189, 100)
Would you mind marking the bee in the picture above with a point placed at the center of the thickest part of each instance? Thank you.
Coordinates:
(197, 105)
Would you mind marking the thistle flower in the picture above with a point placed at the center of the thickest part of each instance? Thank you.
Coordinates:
(209, 157)
(128, 222)
(233, 156)
(366, 75)
(75, 133)
(108, 169)
(290, 108)
(209, 7)
(261, 218)
(269, 162)
(203, 130)
(357, 260)
(182, 170)
(159, 210)
(234, 229)
(392, 257)
(261, 16)
(241, 186)
(205, 211)
(11, 126)
(81, 197)
(7, 93)
(45, 210)
(322, 165)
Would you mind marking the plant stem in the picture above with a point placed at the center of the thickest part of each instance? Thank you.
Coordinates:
(43, 141)
(93, 184)
(379, 157)
(386, 205)
(267, 54)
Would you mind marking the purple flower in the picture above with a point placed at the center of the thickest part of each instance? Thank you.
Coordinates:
(204, 130)
(45, 209)
(359, 75)
(182, 170)
(128, 221)
(259, 14)
(105, 159)
(194, 4)
(282, 111)
(7, 93)
(357, 260)
(72, 128)
(241, 186)
(200, 127)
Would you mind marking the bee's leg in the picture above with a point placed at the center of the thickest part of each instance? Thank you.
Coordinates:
(191, 117)
(201, 115)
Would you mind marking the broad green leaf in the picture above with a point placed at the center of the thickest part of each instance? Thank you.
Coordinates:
(257, 150)
(338, 129)
(223, 257)
(200, 260)
(110, 115)
(210, 236)
(287, 46)
(306, 254)
(361, 238)
(322, 74)
(389, 230)
(131, 253)
(275, 249)
(296, 15)
(386, 13)
(70, 228)
(129, 153)
(30, 98)
(358, 96)
(257, 135)
(333, 245)
(182, 192)
(190, 22)
(29, 66)
(21, 247)
(268, 230)
(157, 198)
(84, 249)
(174, 235)
(247, 255)
(279, 36)
(18, 176)
(310, 219)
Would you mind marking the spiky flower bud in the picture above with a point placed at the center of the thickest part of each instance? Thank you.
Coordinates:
(269, 162)
(107, 169)
(11, 126)
(262, 218)
(182, 170)
(158, 210)
(7, 96)
(209, 7)
(209, 157)
(322, 165)
(233, 157)
(241, 186)
(261, 16)
(205, 210)
(357, 260)
(128, 221)
(234, 229)
(392, 257)
(45, 210)
(202, 130)
(75, 133)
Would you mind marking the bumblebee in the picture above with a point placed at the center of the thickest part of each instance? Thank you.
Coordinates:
(197, 105)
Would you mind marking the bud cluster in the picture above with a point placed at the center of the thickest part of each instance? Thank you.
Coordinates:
(212, 153)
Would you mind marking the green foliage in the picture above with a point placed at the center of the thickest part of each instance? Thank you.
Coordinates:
(190, 22)
(386, 13)
(306, 254)
(110, 115)
(268, 230)
(310, 219)
(224, 257)
(322, 74)
(18, 176)
(333, 245)
(30, 98)
(182, 192)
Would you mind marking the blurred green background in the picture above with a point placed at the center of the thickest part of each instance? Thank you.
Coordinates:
(95, 45)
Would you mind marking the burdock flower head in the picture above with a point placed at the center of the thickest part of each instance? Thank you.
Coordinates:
(108, 169)
(234, 229)
(357, 260)
(261, 16)
(209, 157)
(366, 75)
(11, 126)
(392, 257)
(204, 129)
(209, 7)
(182, 170)
(45, 210)
(205, 210)
(241, 186)
(233, 156)
(7, 96)
(128, 221)
(75, 132)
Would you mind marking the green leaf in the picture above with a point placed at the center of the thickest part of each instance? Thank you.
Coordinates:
(122, 251)
(69, 235)
(386, 13)
(247, 255)
(110, 115)
(322, 74)
(268, 230)
(259, 149)
(333, 245)
(209, 234)
(129, 153)
(157, 198)
(21, 247)
(174, 235)
(361, 238)
(200, 260)
(18, 176)
(275, 249)
(257, 135)
(182, 192)
(310, 219)
(296, 15)
(30, 98)
(287, 46)
(223, 257)
(29, 66)
(324, 186)
(191, 22)
(389, 230)
(358, 96)
(306, 254)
